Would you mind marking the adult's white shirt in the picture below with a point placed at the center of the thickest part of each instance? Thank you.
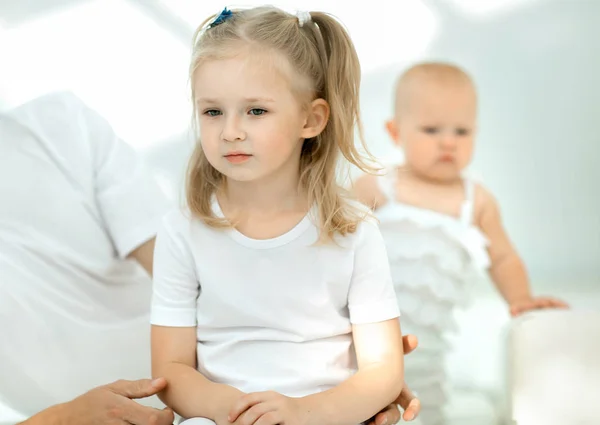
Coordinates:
(75, 200)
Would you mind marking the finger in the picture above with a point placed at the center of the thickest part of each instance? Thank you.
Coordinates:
(538, 304)
(370, 421)
(390, 415)
(138, 389)
(542, 302)
(412, 411)
(522, 308)
(251, 415)
(381, 418)
(245, 402)
(270, 418)
(136, 414)
(405, 397)
(516, 311)
(409, 343)
(556, 303)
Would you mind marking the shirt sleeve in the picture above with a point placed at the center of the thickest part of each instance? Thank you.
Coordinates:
(371, 297)
(175, 285)
(128, 196)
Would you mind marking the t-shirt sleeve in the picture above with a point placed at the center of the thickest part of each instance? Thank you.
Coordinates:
(128, 196)
(371, 297)
(175, 285)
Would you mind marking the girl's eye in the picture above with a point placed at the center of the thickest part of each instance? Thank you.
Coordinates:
(257, 111)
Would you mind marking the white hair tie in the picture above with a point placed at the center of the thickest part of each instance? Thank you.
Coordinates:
(303, 17)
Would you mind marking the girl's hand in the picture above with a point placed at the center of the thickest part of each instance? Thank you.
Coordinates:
(537, 303)
(268, 408)
(228, 399)
(264, 403)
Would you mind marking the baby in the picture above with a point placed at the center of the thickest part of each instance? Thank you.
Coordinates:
(442, 230)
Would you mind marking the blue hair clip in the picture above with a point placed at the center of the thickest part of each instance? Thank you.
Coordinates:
(223, 16)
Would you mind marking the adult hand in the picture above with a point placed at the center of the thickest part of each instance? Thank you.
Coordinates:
(110, 404)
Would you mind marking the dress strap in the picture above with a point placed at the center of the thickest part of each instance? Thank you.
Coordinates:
(468, 205)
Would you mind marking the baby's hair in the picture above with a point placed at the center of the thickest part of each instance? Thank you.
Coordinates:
(442, 73)
(321, 62)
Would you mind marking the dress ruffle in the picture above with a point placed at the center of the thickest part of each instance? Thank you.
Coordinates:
(435, 259)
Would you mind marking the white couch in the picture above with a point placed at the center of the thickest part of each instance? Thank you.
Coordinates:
(540, 369)
(555, 368)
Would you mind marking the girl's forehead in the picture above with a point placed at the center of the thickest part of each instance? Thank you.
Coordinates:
(238, 71)
(245, 74)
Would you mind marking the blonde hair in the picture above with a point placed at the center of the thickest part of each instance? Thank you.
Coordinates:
(321, 53)
(443, 73)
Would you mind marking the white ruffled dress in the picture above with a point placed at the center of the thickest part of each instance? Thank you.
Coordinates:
(434, 259)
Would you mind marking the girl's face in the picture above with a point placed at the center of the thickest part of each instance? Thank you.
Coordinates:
(252, 125)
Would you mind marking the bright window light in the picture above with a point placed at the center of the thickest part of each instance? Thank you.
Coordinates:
(109, 53)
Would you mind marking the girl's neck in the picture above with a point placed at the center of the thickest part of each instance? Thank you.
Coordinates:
(265, 196)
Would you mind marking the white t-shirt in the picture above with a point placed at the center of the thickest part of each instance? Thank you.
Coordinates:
(271, 314)
(74, 201)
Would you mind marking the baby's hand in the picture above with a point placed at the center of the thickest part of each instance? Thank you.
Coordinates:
(537, 303)
(268, 408)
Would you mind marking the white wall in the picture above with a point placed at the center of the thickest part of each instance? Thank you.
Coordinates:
(538, 72)
(536, 62)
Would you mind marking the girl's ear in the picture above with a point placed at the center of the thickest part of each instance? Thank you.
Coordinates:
(318, 115)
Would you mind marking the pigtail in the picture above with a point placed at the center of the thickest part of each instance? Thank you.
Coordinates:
(341, 88)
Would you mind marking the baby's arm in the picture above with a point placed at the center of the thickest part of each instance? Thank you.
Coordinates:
(507, 269)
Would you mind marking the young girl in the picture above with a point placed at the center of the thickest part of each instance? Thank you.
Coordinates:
(442, 231)
(273, 301)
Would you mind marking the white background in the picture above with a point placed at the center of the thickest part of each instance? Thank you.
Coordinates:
(536, 63)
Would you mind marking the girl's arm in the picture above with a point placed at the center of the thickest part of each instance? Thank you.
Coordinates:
(373, 311)
(376, 384)
(176, 289)
(188, 392)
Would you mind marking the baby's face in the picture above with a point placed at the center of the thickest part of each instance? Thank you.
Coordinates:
(435, 128)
